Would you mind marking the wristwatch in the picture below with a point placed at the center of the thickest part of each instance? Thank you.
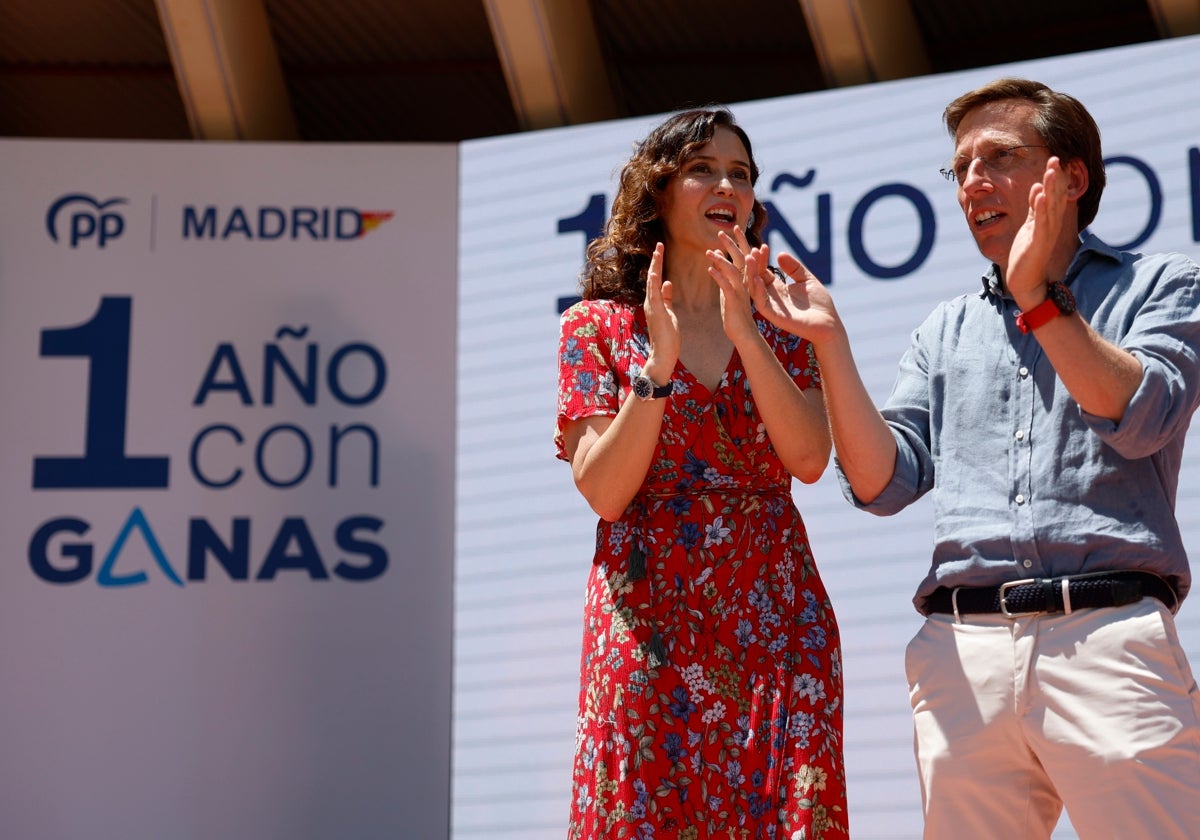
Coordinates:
(1059, 301)
(644, 388)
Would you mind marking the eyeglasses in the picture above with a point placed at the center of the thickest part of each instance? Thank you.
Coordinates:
(997, 161)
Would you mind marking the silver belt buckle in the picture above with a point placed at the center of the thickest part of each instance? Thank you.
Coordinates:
(1004, 587)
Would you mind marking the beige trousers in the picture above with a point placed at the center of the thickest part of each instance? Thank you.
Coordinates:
(1096, 711)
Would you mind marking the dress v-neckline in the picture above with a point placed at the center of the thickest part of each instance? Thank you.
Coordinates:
(726, 373)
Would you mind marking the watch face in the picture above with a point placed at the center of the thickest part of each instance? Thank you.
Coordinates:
(644, 387)
(1062, 297)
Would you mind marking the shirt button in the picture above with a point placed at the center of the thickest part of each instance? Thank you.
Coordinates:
(1020, 434)
(1026, 562)
(1020, 499)
(1024, 371)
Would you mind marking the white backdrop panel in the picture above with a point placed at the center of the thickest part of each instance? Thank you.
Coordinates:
(268, 654)
(524, 536)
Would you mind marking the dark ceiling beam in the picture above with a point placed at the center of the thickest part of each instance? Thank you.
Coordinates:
(864, 41)
(227, 69)
(552, 62)
(1175, 18)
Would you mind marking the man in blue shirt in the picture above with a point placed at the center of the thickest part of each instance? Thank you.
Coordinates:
(1047, 415)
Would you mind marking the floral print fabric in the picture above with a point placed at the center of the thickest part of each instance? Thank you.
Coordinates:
(710, 701)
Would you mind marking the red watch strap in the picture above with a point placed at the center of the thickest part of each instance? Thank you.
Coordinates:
(1043, 313)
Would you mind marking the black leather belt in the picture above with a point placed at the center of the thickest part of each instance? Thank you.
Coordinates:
(1052, 595)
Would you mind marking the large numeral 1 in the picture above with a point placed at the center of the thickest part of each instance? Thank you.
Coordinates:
(104, 341)
(591, 224)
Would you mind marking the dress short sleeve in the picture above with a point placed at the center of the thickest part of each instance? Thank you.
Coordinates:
(588, 364)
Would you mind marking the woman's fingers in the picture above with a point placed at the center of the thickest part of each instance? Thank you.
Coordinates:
(727, 275)
(735, 252)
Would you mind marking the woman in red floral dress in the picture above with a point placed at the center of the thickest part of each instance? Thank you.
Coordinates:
(710, 691)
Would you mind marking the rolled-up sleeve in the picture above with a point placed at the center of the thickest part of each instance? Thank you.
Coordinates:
(1163, 334)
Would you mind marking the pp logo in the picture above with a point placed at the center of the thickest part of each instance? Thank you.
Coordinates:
(87, 219)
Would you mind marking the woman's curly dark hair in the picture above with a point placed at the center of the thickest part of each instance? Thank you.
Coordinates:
(617, 259)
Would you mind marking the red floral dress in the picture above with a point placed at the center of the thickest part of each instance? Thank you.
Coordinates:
(710, 700)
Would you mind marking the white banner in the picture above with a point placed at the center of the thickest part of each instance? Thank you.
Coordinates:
(851, 179)
(227, 471)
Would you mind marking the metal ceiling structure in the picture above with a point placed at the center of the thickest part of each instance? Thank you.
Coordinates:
(449, 70)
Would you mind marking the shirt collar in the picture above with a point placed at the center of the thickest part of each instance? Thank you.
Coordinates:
(1089, 244)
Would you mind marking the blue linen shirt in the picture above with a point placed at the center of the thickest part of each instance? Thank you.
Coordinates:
(1025, 483)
